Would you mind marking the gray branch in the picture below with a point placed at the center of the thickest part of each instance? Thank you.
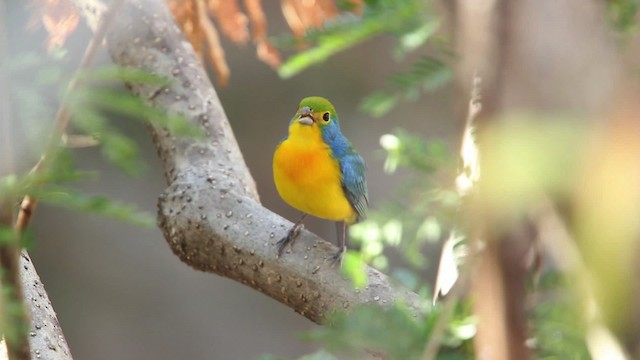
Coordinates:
(46, 338)
(210, 213)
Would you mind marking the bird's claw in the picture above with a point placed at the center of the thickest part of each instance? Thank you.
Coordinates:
(290, 238)
(336, 259)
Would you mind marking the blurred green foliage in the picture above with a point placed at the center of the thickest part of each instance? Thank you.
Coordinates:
(559, 329)
(411, 22)
(426, 74)
(90, 104)
(425, 210)
(623, 14)
(347, 335)
(39, 84)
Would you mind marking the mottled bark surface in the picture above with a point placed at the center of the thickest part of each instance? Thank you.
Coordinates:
(45, 336)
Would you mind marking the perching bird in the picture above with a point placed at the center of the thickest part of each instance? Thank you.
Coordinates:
(317, 171)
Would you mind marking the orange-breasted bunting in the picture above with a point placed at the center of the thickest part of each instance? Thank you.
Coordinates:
(317, 171)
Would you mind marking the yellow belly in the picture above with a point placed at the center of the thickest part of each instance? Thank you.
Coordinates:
(308, 179)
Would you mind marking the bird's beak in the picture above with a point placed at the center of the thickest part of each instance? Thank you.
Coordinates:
(305, 116)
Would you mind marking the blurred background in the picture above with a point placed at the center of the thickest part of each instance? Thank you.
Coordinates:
(118, 290)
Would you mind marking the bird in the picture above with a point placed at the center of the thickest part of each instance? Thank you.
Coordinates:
(317, 171)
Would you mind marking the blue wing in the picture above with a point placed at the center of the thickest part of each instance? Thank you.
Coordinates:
(354, 182)
(352, 168)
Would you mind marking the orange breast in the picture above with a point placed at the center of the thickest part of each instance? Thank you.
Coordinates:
(309, 179)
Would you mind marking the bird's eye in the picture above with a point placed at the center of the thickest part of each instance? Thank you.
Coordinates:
(326, 116)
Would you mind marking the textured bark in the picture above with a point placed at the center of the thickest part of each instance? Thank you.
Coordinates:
(45, 337)
(210, 214)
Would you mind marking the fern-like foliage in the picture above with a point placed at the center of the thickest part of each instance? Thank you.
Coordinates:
(411, 21)
(426, 74)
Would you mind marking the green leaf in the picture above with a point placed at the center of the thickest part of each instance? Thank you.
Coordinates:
(125, 103)
(417, 37)
(426, 74)
(329, 45)
(121, 151)
(558, 323)
(61, 169)
(8, 236)
(8, 186)
(354, 268)
(379, 103)
(622, 14)
(393, 331)
(72, 200)
(129, 75)
(118, 149)
(395, 17)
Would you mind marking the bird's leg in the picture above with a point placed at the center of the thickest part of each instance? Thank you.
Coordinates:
(291, 235)
(341, 229)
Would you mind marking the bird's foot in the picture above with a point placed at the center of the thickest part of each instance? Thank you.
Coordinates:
(336, 259)
(290, 238)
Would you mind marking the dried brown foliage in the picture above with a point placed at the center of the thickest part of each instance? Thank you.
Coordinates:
(58, 17)
(234, 20)
(302, 15)
(239, 21)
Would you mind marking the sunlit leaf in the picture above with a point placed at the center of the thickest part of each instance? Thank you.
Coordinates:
(394, 17)
(392, 231)
(430, 229)
(355, 269)
(417, 37)
(329, 46)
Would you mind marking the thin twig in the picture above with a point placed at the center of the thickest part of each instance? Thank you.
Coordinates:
(18, 346)
(28, 205)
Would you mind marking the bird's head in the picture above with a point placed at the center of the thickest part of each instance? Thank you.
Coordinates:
(315, 112)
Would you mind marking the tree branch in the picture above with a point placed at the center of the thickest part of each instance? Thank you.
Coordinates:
(210, 214)
(45, 337)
